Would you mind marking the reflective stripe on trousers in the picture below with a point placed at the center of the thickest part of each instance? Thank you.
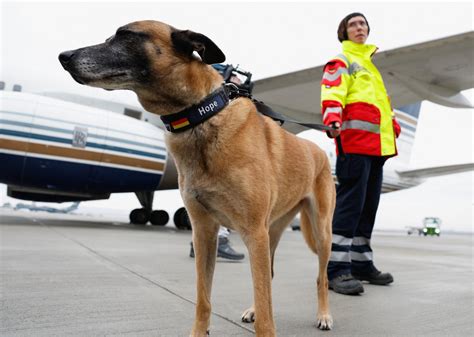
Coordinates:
(347, 249)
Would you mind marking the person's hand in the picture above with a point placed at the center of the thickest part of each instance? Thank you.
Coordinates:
(336, 132)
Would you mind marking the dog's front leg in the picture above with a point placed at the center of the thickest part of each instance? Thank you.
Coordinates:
(258, 246)
(205, 250)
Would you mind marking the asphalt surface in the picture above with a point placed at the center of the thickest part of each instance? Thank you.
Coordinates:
(66, 275)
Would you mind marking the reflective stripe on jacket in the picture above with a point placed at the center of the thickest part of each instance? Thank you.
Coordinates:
(353, 94)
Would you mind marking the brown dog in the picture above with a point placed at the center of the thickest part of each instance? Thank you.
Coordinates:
(238, 168)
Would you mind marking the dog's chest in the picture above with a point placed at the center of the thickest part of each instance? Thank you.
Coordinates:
(212, 200)
(193, 148)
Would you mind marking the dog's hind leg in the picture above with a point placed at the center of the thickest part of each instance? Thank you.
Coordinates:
(205, 249)
(316, 226)
(258, 244)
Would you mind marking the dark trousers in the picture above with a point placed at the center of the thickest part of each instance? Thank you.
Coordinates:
(358, 194)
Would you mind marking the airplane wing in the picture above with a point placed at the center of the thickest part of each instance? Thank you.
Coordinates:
(436, 71)
(436, 171)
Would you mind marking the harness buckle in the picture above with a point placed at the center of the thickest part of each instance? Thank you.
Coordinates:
(235, 91)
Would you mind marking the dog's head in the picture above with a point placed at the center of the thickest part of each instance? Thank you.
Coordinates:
(153, 59)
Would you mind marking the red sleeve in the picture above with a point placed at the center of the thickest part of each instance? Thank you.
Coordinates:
(332, 73)
(396, 127)
(332, 112)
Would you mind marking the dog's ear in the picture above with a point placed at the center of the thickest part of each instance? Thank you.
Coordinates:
(186, 42)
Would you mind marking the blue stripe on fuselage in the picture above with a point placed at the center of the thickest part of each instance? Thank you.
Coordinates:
(29, 135)
(70, 132)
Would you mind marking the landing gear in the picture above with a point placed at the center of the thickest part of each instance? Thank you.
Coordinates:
(295, 225)
(159, 218)
(141, 216)
(181, 219)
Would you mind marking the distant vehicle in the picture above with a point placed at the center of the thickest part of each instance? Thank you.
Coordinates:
(431, 226)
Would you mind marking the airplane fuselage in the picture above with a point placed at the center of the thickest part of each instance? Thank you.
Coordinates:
(54, 150)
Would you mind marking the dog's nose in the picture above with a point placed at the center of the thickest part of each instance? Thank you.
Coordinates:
(66, 56)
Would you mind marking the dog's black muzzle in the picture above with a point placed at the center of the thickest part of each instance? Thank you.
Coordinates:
(65, 57)
(106, 65)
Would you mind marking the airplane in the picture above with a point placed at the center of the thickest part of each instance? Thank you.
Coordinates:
(59, 147)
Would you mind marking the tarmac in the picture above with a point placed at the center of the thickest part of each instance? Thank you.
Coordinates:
(68, 275)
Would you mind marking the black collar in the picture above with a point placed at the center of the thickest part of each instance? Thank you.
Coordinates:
(198, 113)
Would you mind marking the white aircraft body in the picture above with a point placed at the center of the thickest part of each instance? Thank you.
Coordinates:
(62, 147)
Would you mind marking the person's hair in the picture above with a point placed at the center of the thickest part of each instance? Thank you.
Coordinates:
(342, 30)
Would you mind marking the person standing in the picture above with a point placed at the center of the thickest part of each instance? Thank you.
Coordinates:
(355, 102)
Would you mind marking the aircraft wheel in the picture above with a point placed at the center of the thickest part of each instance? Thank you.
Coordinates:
(139, 216)
(181, 219)
(295, 227)
(159, 218)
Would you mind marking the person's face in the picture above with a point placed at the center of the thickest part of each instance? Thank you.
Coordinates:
(357, 29)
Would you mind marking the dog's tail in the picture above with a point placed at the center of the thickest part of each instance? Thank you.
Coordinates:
(317, 212)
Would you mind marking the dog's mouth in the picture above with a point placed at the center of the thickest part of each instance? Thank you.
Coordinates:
(98, 78)
(77, 78)
(116, 75)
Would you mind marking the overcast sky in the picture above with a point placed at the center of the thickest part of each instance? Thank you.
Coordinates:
(267, 38)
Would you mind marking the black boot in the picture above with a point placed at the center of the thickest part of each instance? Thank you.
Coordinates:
(191, 252)
(225, 251)
(346, 284)
(375, 277)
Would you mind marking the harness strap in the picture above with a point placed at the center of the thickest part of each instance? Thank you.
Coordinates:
(218, 100)
(267, 111)
(235, 92)
(264, 109)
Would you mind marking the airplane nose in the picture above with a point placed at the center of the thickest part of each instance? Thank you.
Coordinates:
(65, 57)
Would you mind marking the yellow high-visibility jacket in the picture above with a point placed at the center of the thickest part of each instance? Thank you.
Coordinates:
(353, 94)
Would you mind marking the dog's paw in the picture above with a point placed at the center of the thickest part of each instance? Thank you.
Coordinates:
(249, 315)
(324, 322)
